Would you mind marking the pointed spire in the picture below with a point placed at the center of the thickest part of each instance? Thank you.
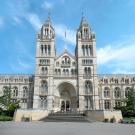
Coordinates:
(83, 21)
(49, 16)
(82, 16)
(48, 21)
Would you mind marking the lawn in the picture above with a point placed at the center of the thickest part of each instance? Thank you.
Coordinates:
(129, 118)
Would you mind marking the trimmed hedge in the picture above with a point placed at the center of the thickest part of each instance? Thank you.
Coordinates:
(5, 118)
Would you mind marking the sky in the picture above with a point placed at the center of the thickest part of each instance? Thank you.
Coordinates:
(113, 21)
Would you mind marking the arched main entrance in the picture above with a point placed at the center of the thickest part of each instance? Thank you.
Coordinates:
(68, 96)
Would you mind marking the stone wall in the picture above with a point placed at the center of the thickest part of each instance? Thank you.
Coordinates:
(33, 115)
(101, 115)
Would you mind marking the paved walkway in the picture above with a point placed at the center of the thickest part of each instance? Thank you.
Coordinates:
(52, 128)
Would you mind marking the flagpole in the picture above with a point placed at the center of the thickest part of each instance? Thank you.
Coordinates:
(65, 46)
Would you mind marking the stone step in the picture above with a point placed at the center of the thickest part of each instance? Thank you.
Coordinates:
(65, 119)
(66, 114)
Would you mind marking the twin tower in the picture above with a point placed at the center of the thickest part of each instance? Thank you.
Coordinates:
(66, 82)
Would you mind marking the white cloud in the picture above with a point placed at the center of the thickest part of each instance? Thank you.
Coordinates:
(34, 20)
(24, 60)
(62, 30)
(119, 53)
(119, 57)
(1, 22)
(47, 5)
(24, 64)
(17, 20)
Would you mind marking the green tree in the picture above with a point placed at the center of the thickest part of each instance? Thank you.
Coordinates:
(6, 104)
(130, 104)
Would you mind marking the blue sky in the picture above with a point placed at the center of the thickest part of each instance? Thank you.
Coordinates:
(113, 21)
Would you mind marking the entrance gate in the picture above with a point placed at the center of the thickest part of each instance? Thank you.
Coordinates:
(65, 105)
(68, 97)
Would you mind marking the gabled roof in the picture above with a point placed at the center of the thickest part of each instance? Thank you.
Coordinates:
(66, 52)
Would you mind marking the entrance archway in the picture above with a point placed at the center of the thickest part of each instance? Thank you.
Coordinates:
(68, 96)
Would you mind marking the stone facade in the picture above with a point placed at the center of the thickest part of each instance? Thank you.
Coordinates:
(21, 88)
(67, 82)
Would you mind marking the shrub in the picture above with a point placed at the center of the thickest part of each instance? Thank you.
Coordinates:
(120, 121)
(106, 120)
(5, 118)
(112, 120)
(132, 121)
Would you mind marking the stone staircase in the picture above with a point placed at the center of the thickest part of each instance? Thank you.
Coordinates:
(67, 116)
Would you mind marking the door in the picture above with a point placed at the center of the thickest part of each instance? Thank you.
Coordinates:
(67, 105)
(62, 105)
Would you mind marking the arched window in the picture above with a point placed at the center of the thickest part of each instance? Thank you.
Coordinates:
(127, 90)
(116, 81)
(107, 104)
(44, 87)
(106, 92)
(88, 87)
(127, 81)
(56, 71)
(43, 102)
(49, 50)
(64, 72)
(72, 73)
(25, 91)
(15, 91)
(59, 72)
(87, 51)
(41, 49)
(65, 61)
(44, 70)
(117, 92)
(5, 90)
(87, 71)
(91, 50)
(117, 104)
(83, 50)
(45, 47)
(67, 72)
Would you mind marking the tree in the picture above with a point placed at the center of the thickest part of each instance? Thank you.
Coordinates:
(6, 103)
(128, 108)
(130, 104)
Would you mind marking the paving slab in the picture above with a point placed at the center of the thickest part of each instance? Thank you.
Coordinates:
(65, 128)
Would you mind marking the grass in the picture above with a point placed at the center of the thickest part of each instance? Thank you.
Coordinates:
(129, 118)
(5, 118)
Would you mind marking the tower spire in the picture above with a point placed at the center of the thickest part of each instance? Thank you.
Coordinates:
(48, 20)
(49, 14)
(82, 15)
